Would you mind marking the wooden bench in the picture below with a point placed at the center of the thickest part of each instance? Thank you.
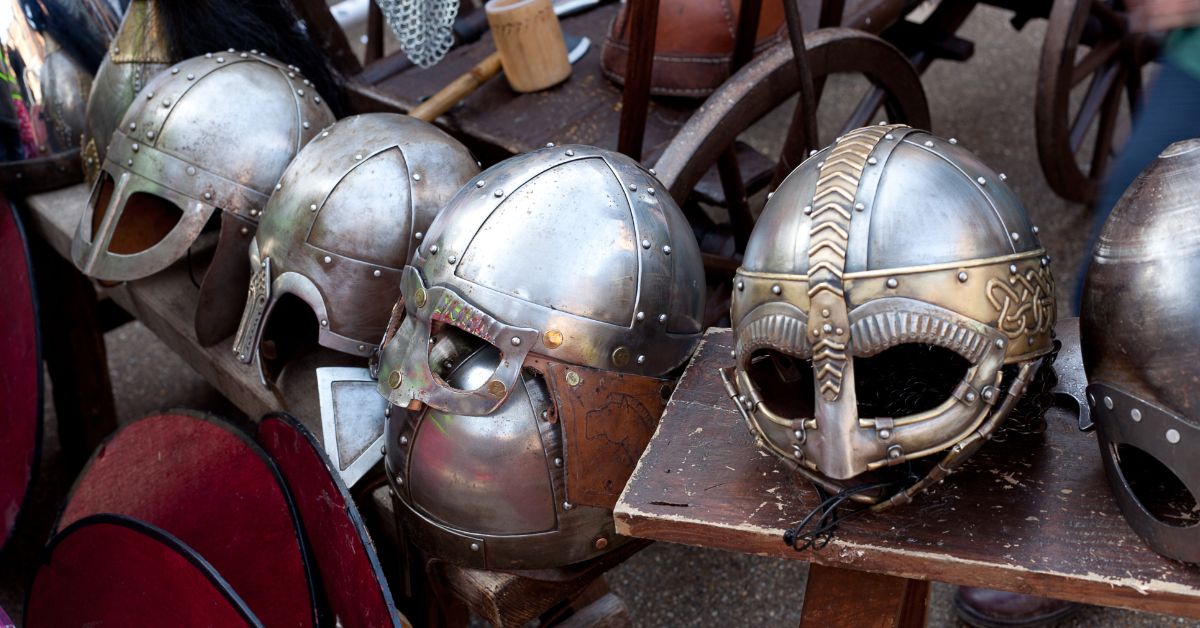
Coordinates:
(1031, 514)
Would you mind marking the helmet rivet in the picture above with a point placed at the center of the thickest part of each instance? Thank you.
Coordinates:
(567, 506)
(970, 397)
(480, 183)
(149, 135)
(1035, 230)
(558, 462)
(245, 230)
(859, 207)
(135, 147)
(1003, 177)
(150, 96)
(741, 285)
(129, 162)
(885, 434)
(640, 316)
(827, 328)
(988, 393)
(776, 289)
(839, 331)
(652, 172)
(570, 153)
(324, 323)
(495, 388)
(894, 452)
(474, 547)
(305, 124)
(208, 196)
(1012, 268)
(889, 136)
(807, 210)
(962, 276)
(928, 143)
(191, 76)
(1172, 436)
(358, 157)
(650, 191)
(394, 381)
(416, 176)
(666, 250)
(981, 181)
(133, 126)
(452, 259)
(418, 236)
(953, 140)
(399, 479)
(220, 59)
(999, 343)
(620, 356)
(1108, 402)
(516, 342)
(377, 273)
(892, 283)
(552, 339)
(243, 55)
(166, 102)
(1136, 415)
(419, 298)
(1015, 236)
(312, 207)
(291, 75)
(633, 187)
(253, 211)
(191, 170)
(362, 347)
(278, 186)
(645, 244)
(872, 161)
(641, 359)
(600, 543)
(316, 99)
(433, 249)
(573, 378)
(299, 92)
(825, 312)
(549, 144)
(662, 318)
(498, 193)
(798, 434)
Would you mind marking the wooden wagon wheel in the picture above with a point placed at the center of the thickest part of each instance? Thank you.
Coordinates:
(1087, 43)
(770, 79)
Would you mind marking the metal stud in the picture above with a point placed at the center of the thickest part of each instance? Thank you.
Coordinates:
(953, 140)
(650, 191)
(418, 236)
(149, 135)
(999, 343)
(653, 172)
(133, 126)
(962, 276)
(666, 250)
(570, 153)
(645, 244)
(549, 144)
(324, 323)
(1108, 402)
(191, 170)
(453, 259)
(150, 96)
(312, 207)
(1012, 269)
(416, 176)
(299, 92)
(305, 124)
(662, 318)
(174, 71)
(208, 196)
(567, 506)
(928, 143)
(885, 434)
(776, 290)
(129, 162)
(1035, 230)
(808, 210)
(474, 547)
(872, 161)
(892, 283)
(981, 181)
(317, 99)
(1015, 236)
(243, 55)
(859, 207)
(971, 397)
(358, 157)
(433, 250)
(741, 285)
(220, 59)
(245, 231)
(166, 102)
(1003, 177)
(1172, 436)
(377, 273)
(552, 338)
(191, 77)
(516, 342)
(480, 183)
(641, 359)
(633, 187)
(135, 147)
(328, 259)
(641, 316)
(498, 193)
(889, 136)
(558, 462)
(1136, 415)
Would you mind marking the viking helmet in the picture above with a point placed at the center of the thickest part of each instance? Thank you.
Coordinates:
(543, 315)
(343, 222)
(892, 256)
(138, 52)
(1138, 333)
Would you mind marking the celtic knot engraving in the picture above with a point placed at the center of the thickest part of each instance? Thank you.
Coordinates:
(1024, 303)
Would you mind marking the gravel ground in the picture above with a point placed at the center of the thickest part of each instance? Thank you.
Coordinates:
(986, 103)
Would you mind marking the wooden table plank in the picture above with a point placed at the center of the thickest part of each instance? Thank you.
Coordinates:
(1032, 514)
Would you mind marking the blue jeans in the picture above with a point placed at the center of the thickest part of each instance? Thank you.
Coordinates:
(1170, 113)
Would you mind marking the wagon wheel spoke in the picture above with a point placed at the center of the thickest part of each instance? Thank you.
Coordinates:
(1100, 55)
(1104, 133)
(1098, 94)
(1109, 17)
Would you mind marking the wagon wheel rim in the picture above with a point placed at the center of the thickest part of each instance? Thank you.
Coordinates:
(1110, 69)
(769, 80)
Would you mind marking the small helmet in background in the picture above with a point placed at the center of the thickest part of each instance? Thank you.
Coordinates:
(545, 316)
(892, 305)
(1140, 337)
(210, 134)
(338, 230)
(138, 52)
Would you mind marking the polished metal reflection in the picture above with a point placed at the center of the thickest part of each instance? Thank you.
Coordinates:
(344, 220)
(1140, 336)
(212, 132)
(891, 236)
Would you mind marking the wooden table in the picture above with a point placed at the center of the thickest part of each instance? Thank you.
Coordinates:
(1032, 514)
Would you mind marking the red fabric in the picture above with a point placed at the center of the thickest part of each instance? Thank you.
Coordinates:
(208, 484)
(110, 573)
(20, 373)
(354, 585)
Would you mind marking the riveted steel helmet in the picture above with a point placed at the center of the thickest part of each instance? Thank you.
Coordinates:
(1139, 334)
(343, 222)
(887, 288)
(211, 133)
(543, 316)
(138, 52)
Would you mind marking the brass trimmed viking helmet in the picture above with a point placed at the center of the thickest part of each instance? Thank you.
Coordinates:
(889, 242)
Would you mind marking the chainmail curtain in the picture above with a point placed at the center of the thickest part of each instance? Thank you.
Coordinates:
(422, 26)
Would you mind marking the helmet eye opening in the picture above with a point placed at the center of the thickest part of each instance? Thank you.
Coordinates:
(289, 332)
(452, 350)
(906, 379)
(145, 220)
(1157, 489)
(784, 382)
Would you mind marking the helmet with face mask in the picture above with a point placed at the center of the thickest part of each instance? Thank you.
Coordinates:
(212, 133)
(138, 52)
(342, 224)
(1138, 333)
(544, 316)
(893, 303)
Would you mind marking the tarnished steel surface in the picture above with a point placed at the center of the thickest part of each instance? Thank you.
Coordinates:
(890, 237)
(65, 86)
(567, 264)
(138, 52)
(343, 222)
(212, 132)
(1141, 341)
(112, 570)
(209, 484)
(1070, 379)
(345, 557)
(21, 375)
(768, 81)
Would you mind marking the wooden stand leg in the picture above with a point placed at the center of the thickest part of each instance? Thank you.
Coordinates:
(73, 347)
(857, 599)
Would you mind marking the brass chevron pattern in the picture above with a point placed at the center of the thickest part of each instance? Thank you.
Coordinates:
(829, 233)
